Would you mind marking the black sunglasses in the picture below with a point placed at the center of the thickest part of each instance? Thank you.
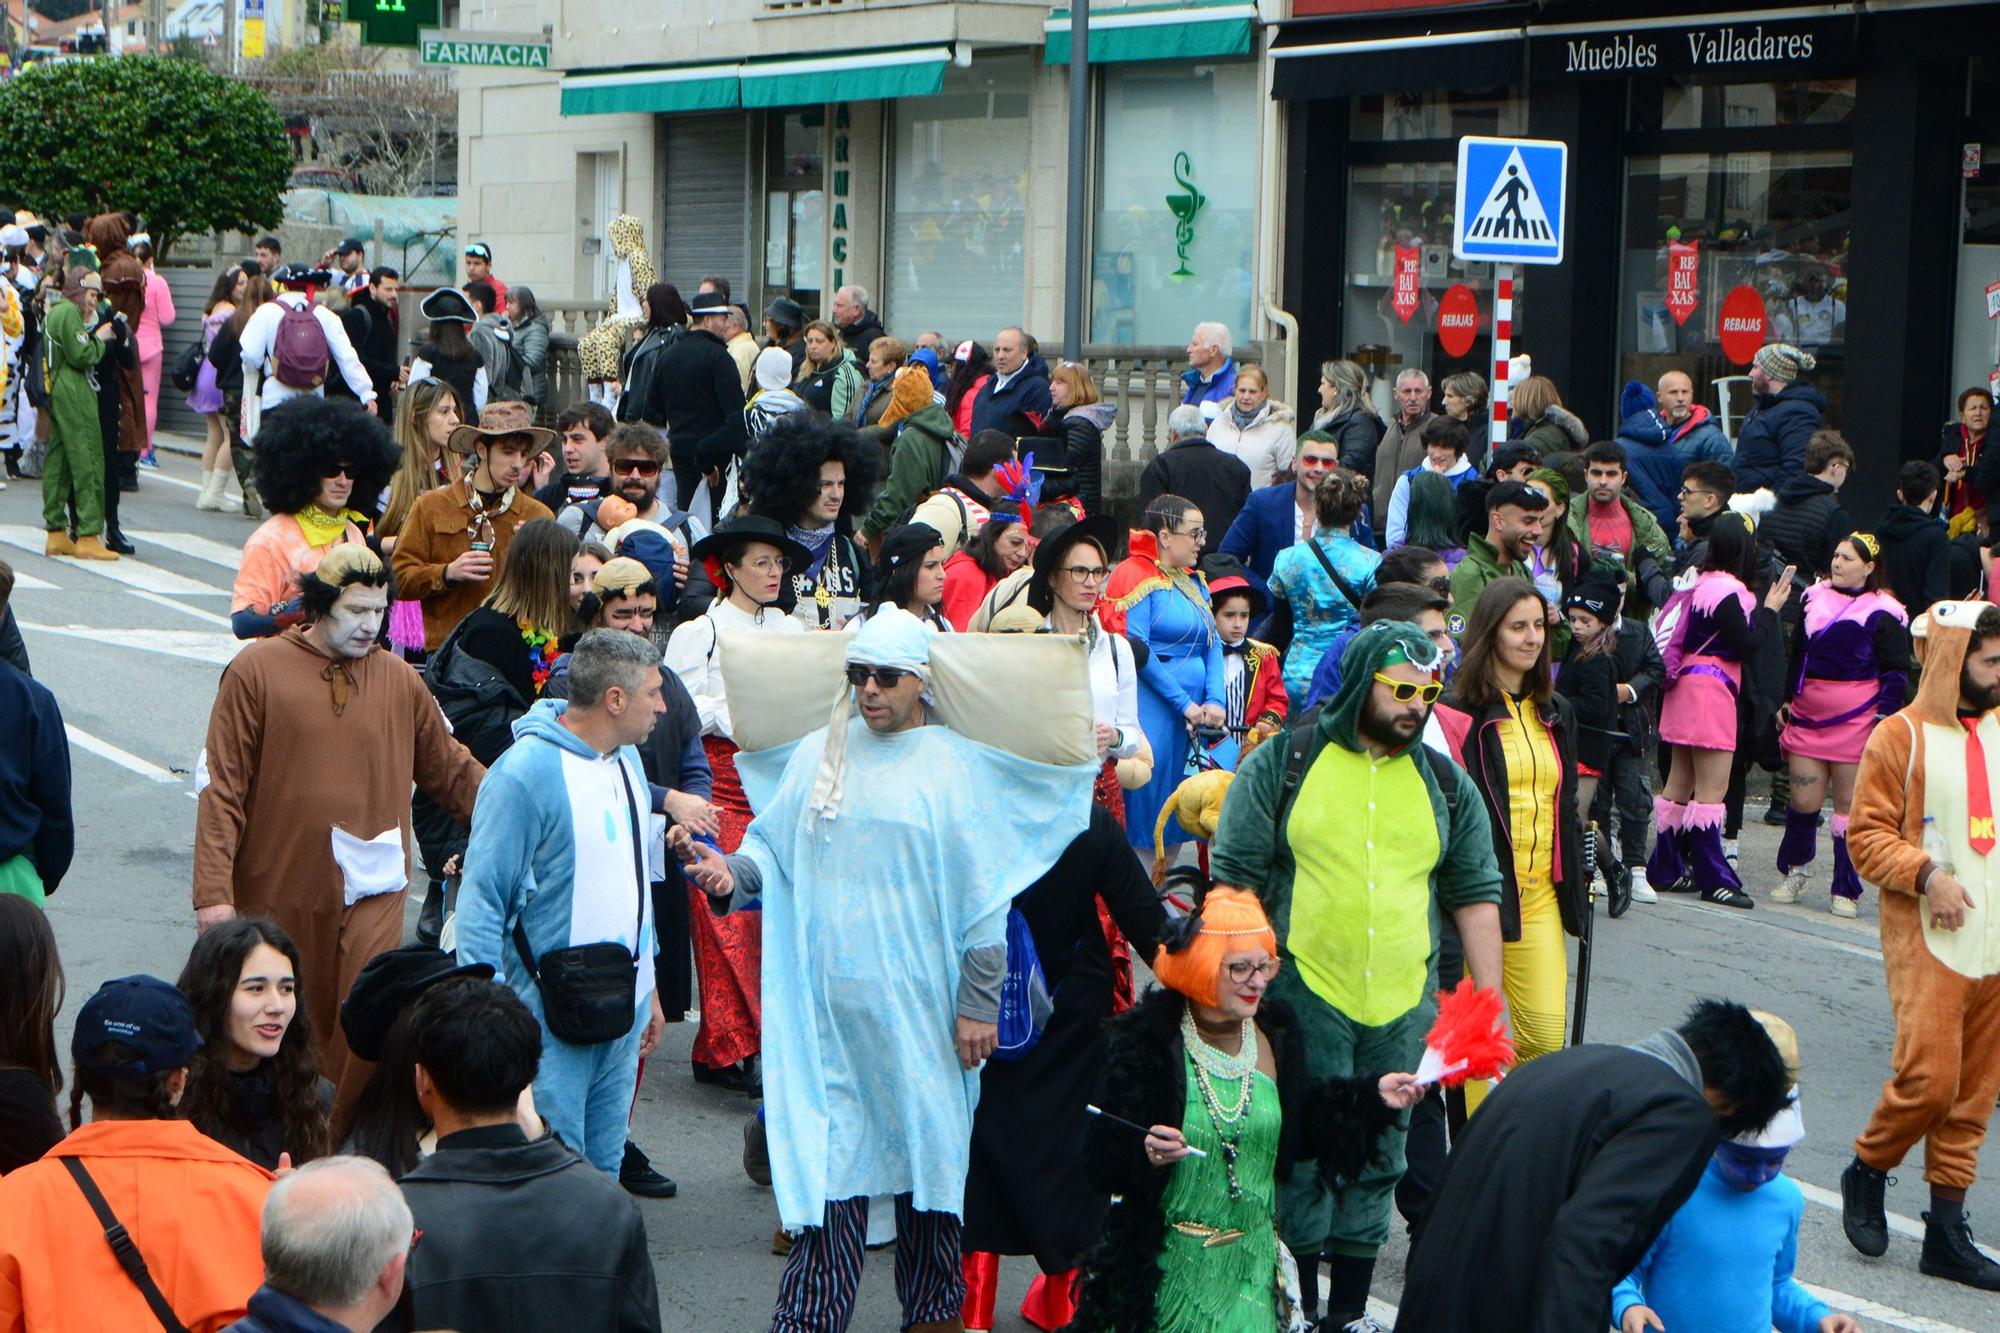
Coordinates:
(332, 470)
(887, 677)
(644, 467)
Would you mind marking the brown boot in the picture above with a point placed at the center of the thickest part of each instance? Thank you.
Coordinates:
(92, 547)
(59, 544)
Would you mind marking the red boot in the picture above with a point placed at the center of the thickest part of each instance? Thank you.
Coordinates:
(1051, 1301)
(982, 1281)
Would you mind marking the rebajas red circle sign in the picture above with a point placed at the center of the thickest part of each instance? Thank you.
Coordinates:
(1742, 325)
(1458, 320)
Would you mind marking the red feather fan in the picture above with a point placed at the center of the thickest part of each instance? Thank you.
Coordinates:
(1468, 1040)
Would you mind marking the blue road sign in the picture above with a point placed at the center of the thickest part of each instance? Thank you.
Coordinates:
(1512, 200)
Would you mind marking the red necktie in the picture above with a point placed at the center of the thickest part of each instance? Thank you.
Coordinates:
(1978, 800)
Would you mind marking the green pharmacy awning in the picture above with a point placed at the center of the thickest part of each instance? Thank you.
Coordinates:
(852, 76)
(680, 88)
(848, 76)
(1156, 32)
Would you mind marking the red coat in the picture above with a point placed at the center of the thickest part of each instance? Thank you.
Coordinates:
(1266, 698)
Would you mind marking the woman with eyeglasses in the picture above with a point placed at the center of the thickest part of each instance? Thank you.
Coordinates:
(749, 560)
(1070, 573)
(1159, 598)
(1207, 1106)
(312, 460)
(1317, 586)
(1516, 737)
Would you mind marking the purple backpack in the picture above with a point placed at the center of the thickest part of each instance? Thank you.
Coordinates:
(299, 352)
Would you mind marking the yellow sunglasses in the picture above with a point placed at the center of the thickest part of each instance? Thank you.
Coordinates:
(1403, 690)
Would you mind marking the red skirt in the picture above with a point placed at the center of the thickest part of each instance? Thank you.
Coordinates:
(728, 950)
(1112, 797)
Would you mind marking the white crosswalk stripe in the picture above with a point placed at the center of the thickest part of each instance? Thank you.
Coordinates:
(196, 645)
(131, 573)
(188, 543)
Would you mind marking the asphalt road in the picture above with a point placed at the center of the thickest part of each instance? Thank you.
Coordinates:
(133, 651)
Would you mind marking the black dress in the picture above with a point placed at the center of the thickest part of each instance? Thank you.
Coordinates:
(1025, 1191)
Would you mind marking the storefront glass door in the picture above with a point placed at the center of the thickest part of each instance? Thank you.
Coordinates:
(795, 206)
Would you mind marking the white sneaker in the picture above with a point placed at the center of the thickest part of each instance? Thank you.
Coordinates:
(1843, 907)
(1642, 892)
(1792, 889)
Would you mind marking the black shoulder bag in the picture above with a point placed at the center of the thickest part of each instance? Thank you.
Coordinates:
(590, 991)
(122, 1245)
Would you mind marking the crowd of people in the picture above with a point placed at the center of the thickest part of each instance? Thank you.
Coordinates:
(810, 681)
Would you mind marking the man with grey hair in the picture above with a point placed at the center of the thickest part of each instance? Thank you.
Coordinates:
(1192, 467)
(1211, 373)
(556, 886)
(1015, 397)
(1402, 446)
(859, 326)
(337, 1237)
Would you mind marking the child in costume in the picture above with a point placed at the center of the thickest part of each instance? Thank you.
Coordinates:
(1724, 1262)
(1254, 700)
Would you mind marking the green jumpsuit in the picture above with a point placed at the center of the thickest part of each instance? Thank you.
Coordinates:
(74, 469)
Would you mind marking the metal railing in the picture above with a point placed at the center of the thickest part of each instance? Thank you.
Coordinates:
(1142, 382)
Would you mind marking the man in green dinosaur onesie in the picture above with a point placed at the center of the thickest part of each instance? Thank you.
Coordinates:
(1358, 848)
(72, 345)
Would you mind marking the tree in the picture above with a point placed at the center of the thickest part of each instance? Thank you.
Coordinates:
(186, 149)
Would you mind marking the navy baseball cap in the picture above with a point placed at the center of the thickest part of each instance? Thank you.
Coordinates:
(351, 246)
(144, 1014)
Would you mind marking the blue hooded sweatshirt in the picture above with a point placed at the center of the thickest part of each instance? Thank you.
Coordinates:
(552, 847)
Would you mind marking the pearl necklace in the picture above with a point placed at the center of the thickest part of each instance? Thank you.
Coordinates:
(1240, 1068)
(1217, 1062)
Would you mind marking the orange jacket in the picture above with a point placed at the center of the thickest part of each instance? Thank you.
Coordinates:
(192, 1206)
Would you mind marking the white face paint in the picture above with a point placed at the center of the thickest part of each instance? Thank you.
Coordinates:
(351, 627)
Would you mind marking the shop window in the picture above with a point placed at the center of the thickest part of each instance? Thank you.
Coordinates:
(1408, 207)
(795, 205)
(957, 214)
(1438, 114)
(1764, 236)
(1175, 234)
(1976, 338)
(1690, 105)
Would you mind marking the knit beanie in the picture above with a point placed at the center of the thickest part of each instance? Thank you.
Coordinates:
(1782, 361)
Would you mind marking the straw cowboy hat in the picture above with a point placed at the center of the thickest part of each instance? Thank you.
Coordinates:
(505, 418)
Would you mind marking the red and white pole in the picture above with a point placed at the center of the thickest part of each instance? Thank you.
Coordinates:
(1503, 337)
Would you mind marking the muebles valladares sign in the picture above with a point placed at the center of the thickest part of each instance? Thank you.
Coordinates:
(499, 50)
(1738, 48)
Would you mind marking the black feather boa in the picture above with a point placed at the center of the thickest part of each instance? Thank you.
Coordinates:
(1336, 1123)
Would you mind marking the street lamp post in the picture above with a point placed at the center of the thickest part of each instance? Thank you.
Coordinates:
(1079, 177)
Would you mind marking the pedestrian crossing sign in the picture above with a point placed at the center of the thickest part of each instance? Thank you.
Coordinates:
(1512, 200)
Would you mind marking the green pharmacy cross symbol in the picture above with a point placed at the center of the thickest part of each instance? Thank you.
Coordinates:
(1185, 207)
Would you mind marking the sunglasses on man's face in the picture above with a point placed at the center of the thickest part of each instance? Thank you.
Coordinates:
(332, 470)
(1402, 691)
(887, 677)
(638, 467)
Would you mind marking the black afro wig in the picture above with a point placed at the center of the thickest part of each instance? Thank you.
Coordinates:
(300, 439)
(781, 472)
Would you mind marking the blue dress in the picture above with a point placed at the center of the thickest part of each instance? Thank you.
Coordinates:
(1320, 613)
(1184, 666)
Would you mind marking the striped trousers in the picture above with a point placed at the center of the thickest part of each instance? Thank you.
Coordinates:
(824, 1271)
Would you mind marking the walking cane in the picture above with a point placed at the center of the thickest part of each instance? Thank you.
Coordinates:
(1583, 944)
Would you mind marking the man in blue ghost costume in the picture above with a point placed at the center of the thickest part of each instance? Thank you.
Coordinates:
(886, 852)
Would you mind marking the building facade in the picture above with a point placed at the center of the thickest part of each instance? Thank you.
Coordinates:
(917, 149)
(1820, 173)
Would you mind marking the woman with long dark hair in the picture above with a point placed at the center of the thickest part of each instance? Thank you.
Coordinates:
(909, 573)
(31, 994)
(1516, 737)
(1001, 547)
(971, 367)
(639, 372)
(253, 1085)
(449, 355)
(1852, 647)
(1713, 635)
(530, 328)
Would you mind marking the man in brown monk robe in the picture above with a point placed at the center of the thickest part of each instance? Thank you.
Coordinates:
(314, 742)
